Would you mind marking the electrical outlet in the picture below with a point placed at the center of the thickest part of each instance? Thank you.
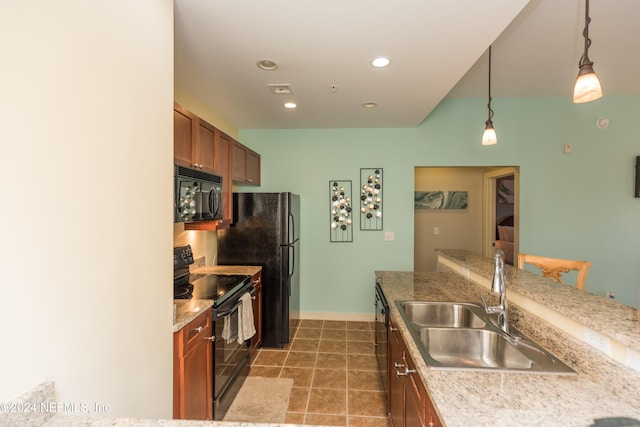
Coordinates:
(633, 359)
(436, 231)
(388, 236)
(596, 340)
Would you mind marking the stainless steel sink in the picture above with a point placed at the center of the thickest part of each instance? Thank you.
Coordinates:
(452, 335)
(474, 348)
(443, 314)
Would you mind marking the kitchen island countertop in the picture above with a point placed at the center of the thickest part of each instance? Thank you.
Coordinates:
(465, 398)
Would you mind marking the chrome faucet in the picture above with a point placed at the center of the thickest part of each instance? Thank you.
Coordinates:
(498, 286)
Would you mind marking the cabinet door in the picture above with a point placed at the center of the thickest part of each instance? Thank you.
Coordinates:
(396, 382)
(223, 147)
(245, 165)
(193, 140)
(197, 377)
(253, 167)
(239, 162)
(204, 156)
(414, 413)
(193, 369)
(184, 124)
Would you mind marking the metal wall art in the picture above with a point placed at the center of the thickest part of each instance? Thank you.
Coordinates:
(371, 199)
(340, 202)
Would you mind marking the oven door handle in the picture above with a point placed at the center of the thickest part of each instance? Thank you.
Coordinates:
(235, 306)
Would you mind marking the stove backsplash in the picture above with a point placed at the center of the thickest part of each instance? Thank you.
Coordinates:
(197, 263)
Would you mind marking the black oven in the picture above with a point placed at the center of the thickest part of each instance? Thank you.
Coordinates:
(230, 357)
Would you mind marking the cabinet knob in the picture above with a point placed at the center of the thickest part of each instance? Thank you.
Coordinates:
(212, 338)
(199, 329)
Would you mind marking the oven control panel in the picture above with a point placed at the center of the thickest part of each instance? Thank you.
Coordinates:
(182, 256)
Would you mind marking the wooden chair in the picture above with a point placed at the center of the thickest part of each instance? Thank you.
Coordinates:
(555, 267)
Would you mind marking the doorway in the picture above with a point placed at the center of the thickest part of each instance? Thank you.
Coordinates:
(502, 213)
(473, 228)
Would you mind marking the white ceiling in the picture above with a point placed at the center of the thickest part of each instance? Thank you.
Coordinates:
(437, 47)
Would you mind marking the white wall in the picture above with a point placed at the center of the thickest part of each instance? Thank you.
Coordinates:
(458, 229)
(86, 206)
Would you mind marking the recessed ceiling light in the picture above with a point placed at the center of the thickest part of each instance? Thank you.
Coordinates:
(267, 65)
(369, 105)
(290, 105)
(380, 62)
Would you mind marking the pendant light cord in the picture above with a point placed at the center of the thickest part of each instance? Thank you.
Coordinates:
(584, 59)
(489, 104)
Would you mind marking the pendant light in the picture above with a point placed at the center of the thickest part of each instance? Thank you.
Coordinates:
(489, 135)
(587, 85)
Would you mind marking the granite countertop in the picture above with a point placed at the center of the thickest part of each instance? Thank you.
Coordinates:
(187, 310)
(227, 269)
(45, 393)
(474, 398)
(609, 317)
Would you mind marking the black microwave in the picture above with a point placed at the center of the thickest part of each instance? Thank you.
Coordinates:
(197, 195)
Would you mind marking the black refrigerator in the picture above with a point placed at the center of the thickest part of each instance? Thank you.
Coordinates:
(266, 232)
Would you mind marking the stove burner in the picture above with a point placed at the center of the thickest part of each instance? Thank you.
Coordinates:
(183, 292)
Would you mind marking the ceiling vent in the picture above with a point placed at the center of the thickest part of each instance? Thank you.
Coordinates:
(281, 89)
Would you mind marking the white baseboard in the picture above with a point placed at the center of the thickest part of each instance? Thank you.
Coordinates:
(353, 317)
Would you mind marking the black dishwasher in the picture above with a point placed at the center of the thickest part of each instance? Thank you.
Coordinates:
(381, 324)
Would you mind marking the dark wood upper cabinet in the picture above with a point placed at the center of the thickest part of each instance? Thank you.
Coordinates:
(193, 140)
(223, 145)
(246, 165)
(200, 145)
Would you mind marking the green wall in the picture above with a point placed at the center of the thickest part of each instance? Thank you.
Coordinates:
(578, 206)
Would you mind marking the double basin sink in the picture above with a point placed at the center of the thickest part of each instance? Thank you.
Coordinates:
(452, 335)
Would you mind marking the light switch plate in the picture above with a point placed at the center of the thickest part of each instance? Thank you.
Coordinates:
(388, 236)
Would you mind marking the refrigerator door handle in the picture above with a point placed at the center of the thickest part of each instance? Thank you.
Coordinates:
(293, 261)
(292, 230)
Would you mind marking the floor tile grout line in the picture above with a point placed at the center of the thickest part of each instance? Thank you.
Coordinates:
(314, 373)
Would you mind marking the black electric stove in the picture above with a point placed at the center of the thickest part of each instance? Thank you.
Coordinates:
(217, 287)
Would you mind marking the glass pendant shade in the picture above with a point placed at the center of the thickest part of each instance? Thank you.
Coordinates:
(489, 135)
(587, 86)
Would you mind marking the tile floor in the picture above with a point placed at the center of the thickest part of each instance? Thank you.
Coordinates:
(335, 376)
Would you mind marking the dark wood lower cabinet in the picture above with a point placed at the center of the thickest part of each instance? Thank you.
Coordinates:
(409, 403)
(192, 370)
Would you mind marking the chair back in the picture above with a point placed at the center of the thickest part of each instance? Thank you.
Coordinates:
(556, 267)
